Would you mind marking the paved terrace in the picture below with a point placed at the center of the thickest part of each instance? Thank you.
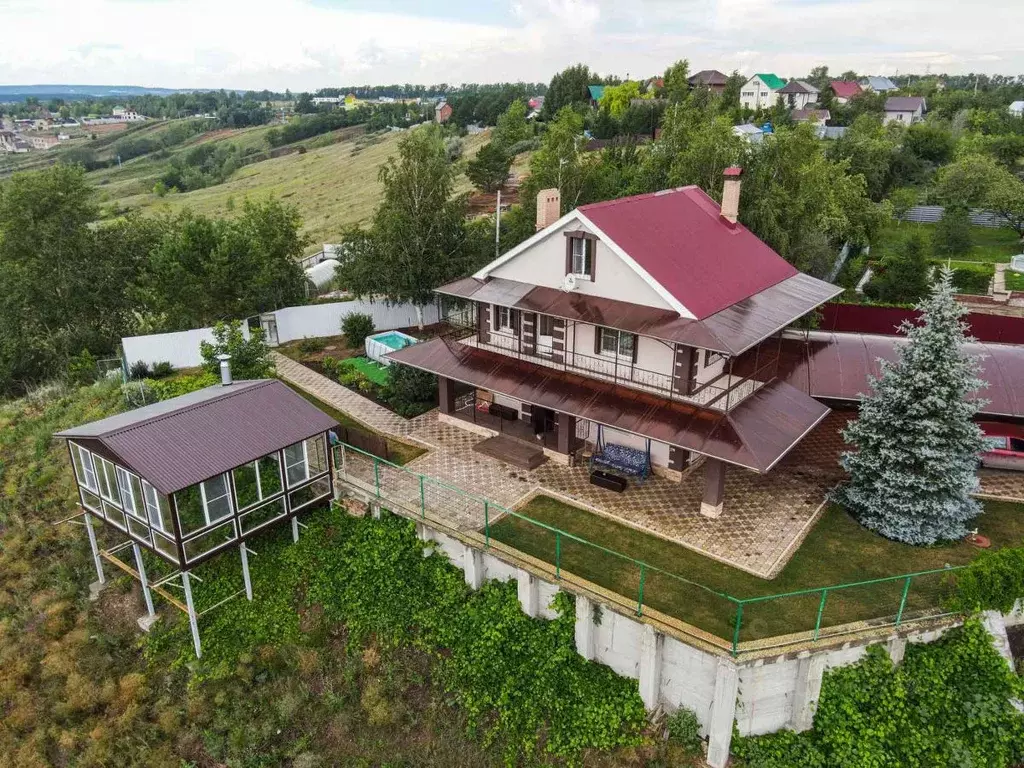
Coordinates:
(765, 517)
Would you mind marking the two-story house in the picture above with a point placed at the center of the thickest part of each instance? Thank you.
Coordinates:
(761, 91)
(797, 94)
(904, 109)
(624, 322)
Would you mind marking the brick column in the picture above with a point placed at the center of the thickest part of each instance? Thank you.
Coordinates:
(446, 394)
(558, 340)
(714, 488)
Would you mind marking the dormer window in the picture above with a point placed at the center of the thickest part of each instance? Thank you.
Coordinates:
(579, 254)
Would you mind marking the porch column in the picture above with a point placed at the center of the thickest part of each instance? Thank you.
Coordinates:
(446, 394)
(714, 488)
(566, 432)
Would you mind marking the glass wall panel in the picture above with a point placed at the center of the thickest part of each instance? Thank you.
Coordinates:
(295, 465)
(318, 489)
(138, 529)
(216, 498)
(114, 515)
(316, 455)
(190, 510)
(91, 500)
(257, 480)
(157, 509)
(107, 480)
(129, 501)
(206, 542)
(165, 546)
(262, 515)
(85, 470)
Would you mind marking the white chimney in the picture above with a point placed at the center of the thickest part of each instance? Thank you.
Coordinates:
(731, 195)
(549, 208)
(225, 370)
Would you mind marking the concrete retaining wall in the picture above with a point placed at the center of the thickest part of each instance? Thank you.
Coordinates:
(760, 696)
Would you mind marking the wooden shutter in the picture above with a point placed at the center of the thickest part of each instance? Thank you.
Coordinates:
(591, 246)
(597, 339)
(515, 318)
(636, 347)
(568, 255)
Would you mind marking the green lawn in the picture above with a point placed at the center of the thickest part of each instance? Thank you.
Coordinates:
(398, 452)
(990, 244)
(375, 372)
(1014, 280)
(837, 551)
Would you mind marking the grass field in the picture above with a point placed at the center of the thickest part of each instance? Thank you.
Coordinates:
(375, 372)
(334, 187)
(838, 550)
(990, 244)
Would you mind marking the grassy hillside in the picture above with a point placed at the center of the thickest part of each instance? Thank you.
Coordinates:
(334, 186)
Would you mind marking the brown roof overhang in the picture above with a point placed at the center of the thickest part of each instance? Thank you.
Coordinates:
(730, 331)
(837, 366)
(179, 442)
(755, 434)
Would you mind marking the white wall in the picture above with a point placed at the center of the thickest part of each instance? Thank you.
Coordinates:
(544, 264)
(325, 319)
(180, 349)
(659, 451)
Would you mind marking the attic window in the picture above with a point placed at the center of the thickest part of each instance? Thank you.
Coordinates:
(582, 257)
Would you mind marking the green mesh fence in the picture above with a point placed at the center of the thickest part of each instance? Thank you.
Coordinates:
(742, 623)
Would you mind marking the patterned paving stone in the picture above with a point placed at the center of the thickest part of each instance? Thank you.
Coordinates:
(765, 516)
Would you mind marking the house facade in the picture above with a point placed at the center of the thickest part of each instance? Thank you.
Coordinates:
(442, 112)
(844, 90)
(904, 109)
(711, 79)
(797, 94)
(623, 323)
(877, 84)
(760, 91)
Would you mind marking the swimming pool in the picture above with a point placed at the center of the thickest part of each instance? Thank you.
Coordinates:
(380, 344)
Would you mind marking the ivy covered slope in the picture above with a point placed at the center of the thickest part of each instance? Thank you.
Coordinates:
(519, 680)
(338, 661)
(948, 705)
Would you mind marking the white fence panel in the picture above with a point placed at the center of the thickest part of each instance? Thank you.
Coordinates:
(325, 319)
(180, 348)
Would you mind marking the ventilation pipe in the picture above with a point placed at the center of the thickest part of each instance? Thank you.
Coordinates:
(225, 370)
(731, 195)
(549, 208)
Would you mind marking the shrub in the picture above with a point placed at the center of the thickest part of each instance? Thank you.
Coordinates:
(973, 281)
(310, 346)
(356, 327)
(684, 730)
(138, 370)
(165, 389)
(953, 233)
(162, 369)
(992, 582)
(410, 391)
(82, 369)
(250, 358)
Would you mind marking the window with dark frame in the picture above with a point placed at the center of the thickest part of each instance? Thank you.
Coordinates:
(582, 262)
(612, 342)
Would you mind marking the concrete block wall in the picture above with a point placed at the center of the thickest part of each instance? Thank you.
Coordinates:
(759, 696)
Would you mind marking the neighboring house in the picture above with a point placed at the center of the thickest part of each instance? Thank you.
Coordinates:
(797, 94)
(831, 131)
(748, 132)
(442, 112)
(1017, 108)
(536, 103)
(11, 142)
(711, 79)
(318, 100)
(904, 109)
(42, 142)
(813, 116)
(596, 92)
(127, 115)
(641, 329)
(760, 91)
(193, 476)
(844, 90)
(878, 84)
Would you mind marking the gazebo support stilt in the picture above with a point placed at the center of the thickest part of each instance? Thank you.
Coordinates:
(295, 529)
(94, 588)
(245, 571)
(192, 619)
(141, 567)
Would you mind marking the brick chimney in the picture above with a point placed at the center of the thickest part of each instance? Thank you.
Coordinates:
(549, 208)
(731, 195)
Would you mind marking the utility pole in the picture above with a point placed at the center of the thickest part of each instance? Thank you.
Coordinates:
(497, 226)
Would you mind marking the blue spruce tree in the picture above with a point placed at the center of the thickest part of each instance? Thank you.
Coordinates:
(914, 464)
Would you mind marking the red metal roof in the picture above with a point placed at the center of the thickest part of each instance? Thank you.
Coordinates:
(679, 238)
(836, 366)
(180, 442)
(755, 434)
(845, 89)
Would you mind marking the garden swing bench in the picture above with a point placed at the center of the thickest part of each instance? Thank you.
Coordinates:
(621, 458)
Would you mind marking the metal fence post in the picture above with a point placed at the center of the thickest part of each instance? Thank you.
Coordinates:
(640, 592)
(487, 523)
(821, 610)
(423, 500)
(736, 629)
(903, 600)
(558, 555)
(376, 475)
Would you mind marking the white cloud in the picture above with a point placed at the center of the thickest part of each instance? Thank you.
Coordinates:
(306, 44)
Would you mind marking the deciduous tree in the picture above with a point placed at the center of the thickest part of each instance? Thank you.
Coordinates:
(913, 467)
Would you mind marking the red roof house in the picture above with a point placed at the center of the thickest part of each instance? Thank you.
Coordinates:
(845, 89)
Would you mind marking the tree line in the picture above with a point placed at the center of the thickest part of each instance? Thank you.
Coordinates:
(72, 283)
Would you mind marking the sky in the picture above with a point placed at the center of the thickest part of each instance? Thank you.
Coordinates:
(310, 44)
